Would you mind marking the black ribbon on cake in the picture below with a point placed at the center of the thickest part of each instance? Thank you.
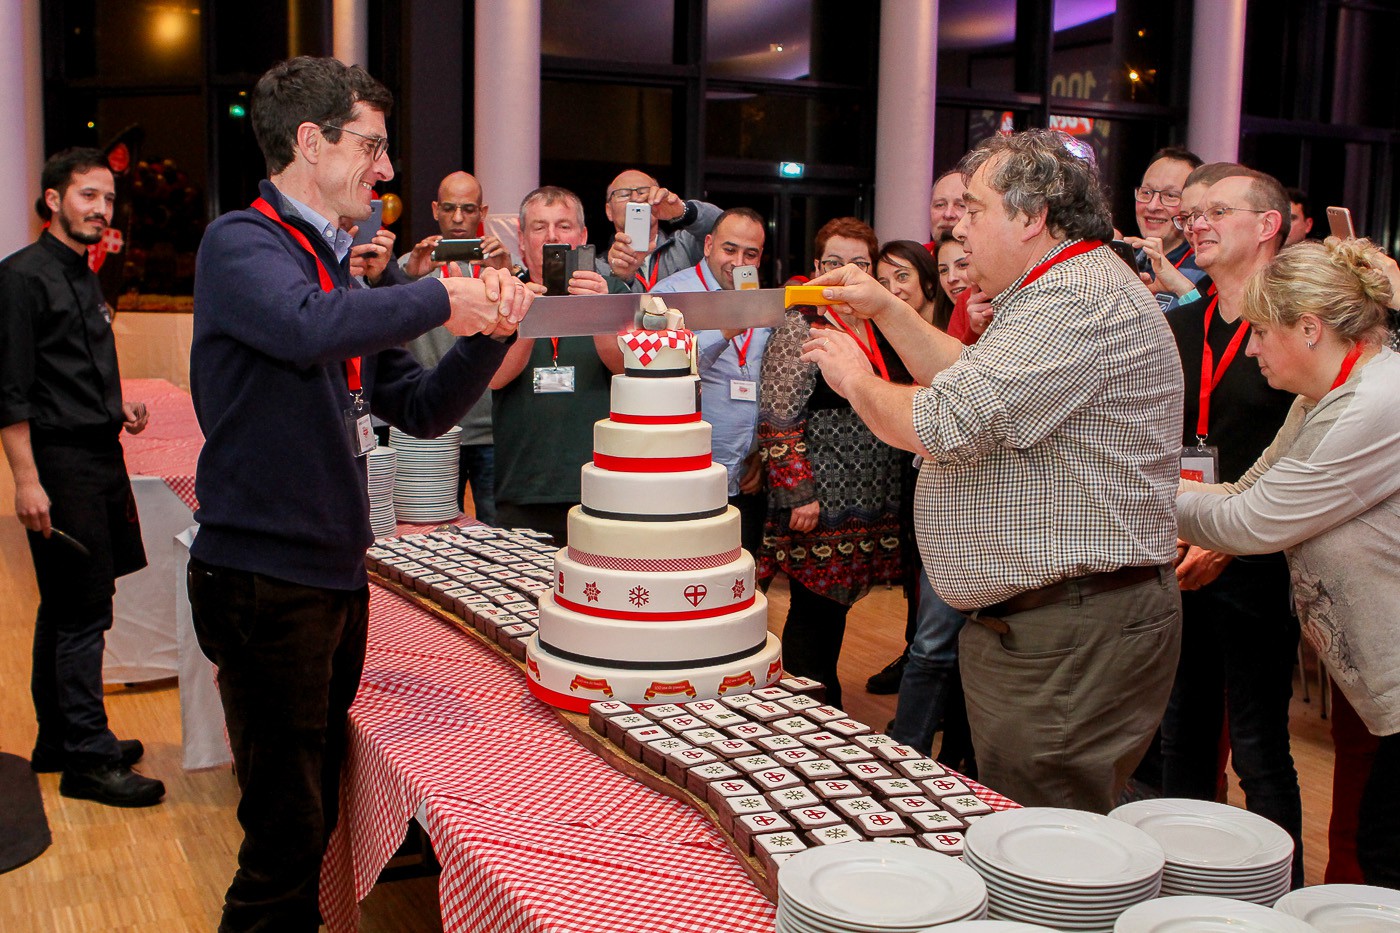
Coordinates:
(685, 663)
(642, 517)
(659, 373)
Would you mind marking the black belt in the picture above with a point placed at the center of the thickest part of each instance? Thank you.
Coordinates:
(1087, 585)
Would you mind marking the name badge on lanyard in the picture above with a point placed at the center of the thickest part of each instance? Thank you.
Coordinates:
(742, 390)
(556, 379)
(1201, 463)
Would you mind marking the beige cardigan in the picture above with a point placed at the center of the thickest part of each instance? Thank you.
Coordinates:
(1327, 491)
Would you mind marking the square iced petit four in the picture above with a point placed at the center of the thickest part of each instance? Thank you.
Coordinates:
(883, 824)
(819, 769)
(703, 736)
(749, 730)
(766, 712)
(834, 835)
(793, 725)
(734, 787)
(824, 714)
(799, 702)
(869, 771)
(751, 763)
(748, 825)
(908, 805)
(896, 787)
(820, 739)
(919, 768)
(773, 743)
(771, 693)
(832, 789)
(740, 700)
(790, 797)
(947, 786)
(966, 805)
(946, 842)
(937, 821)
(847, 727)
(732, 748)
(848, 754)
(897, 752)
(698, 778)
(852, 807)
(813, 817)
(662, 711)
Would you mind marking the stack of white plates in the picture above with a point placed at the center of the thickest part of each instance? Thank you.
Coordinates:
(1345, 908)
(989, 926)
(865, 887)
(1215, 849)
(1066, 869)
(1202, 914)
(382, 466)
(426, 487)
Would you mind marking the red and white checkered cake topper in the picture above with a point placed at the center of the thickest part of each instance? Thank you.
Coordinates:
(645, 344)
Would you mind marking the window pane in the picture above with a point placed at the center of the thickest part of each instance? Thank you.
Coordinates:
(612, 30)
(789, 39)
(243, 42)
(133, 42)
(780, 127)
(976, 44)
(1117, 50)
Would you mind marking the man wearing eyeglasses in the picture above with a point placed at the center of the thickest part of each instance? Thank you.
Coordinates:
(1161, 243)
(680, 245)
(461, 211)
(1239, 641)
(289, 359)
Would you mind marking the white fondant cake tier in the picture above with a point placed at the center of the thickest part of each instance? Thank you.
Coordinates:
(673, 397)
(659, 494)
(699, 540)
(638, 443)
(651, 640)
(717, 589)
(572, 685)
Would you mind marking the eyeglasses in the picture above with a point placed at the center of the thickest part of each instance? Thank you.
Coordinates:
(450, 209)
(630, 194)
(381, 143)
(836, 262)
(1212, 215)
(1169, 199)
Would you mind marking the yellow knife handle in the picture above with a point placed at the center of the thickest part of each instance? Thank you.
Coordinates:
(794, 295)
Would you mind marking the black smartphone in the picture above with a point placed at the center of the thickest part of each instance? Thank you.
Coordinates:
(370, 226)
(581, 259)
(1125, 253)
(556, 269)
(457, 250)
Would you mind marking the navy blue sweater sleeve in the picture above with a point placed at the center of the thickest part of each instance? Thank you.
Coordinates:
(428, 402)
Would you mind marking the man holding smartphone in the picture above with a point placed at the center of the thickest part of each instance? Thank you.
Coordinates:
(61, 417)
(666, 251)
(1156, 202)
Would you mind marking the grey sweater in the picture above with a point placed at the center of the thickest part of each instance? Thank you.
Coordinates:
(1327, 491)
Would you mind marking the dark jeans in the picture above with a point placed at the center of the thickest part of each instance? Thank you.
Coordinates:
(929, 674)
(90, 499)
(753, 509)
(812, 638)
(478, 467)
(1238, 647)
(289, 660)
(1378, 835)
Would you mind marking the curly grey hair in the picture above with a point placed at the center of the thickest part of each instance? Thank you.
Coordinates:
(1039, 172)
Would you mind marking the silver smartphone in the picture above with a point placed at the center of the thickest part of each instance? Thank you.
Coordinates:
(638, 226)
(745, 277)
(1339, 220)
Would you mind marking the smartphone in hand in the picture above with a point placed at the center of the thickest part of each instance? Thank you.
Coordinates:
(369, 227)
(457, 251)
(638, 226)
(556, 268)
(1339, 220)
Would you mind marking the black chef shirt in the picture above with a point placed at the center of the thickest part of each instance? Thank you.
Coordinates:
(58, 360)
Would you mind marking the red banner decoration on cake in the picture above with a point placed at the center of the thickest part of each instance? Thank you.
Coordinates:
(775, 670)
(661, 688)
(652, 464)
(735, 681)
(654, 616)
(598, 684)
(622, 418)
(533, 667)
(645, 344)
(654, 565)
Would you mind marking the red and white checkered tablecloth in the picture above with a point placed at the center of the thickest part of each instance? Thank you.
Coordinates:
(170, 445)
(534, 832)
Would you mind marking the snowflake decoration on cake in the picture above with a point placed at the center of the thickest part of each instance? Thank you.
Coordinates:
(591, 591)
(739, 588)
(638, 596)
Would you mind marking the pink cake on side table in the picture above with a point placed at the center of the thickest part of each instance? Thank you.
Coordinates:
(654, 600)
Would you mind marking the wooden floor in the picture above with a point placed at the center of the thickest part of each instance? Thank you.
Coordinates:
(166, 868)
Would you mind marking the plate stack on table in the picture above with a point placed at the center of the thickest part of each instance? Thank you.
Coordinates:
(989, 926)
(426, 487)
(864, 887)
(1200, 914)
(1345, 908)
(1215, 849)
(383, 463)
(1068, 869)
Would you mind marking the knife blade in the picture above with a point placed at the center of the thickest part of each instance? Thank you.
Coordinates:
(584, 315)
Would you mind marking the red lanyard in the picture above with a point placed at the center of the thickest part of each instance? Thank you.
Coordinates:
(1078, 249)
(1190, 251)
(554, 343)
(649, 281)
(1209, 381)
(352, 366)
(1348, 362)
(741, 352)
(871, 351)
(447, 271)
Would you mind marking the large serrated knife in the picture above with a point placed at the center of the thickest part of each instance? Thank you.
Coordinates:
(583, 315)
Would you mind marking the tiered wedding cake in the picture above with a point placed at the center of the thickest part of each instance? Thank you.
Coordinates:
(654, 600)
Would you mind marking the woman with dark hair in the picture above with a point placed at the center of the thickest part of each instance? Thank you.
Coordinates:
(908, 271)
(833, 502)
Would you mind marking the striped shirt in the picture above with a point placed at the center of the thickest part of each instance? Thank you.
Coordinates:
(1054, 441)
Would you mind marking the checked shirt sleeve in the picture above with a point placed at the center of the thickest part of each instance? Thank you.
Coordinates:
(785, 387)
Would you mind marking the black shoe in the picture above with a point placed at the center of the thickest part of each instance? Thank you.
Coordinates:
(113, 785)
(887, 680)
(50, 761)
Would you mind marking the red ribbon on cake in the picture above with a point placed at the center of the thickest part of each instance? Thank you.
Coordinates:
(652, 464)
(629, 616)
(645, 344)
(621, 418)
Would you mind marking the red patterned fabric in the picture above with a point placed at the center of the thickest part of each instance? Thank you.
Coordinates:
(170, 445)
(534, 832)
(644, 344)
(648, 565)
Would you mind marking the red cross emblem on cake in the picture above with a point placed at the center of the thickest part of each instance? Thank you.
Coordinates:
(644, 344)
(694, 594)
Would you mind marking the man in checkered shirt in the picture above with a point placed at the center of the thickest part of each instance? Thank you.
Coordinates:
(1045, 502)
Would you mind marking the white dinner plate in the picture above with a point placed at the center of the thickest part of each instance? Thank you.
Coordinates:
(1344, 908)
(872, 886)
(1065, 847)
(989, 926)
(1207, 915)
(1206, 834)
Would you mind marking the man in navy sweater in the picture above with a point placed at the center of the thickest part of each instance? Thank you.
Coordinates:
(289, 358)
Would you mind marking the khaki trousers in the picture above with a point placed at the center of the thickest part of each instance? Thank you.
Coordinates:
(1064, 705)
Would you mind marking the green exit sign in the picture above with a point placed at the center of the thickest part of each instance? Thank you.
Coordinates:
(791, 169)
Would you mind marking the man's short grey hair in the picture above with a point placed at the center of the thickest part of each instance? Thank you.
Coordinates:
(1036, 171)
(548, 196)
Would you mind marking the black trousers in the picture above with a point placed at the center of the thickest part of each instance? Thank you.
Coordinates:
(1378, 824)
(812, 638)
(90, 499)
(289, 659)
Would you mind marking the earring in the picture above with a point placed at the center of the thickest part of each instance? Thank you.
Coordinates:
(1312, 345)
